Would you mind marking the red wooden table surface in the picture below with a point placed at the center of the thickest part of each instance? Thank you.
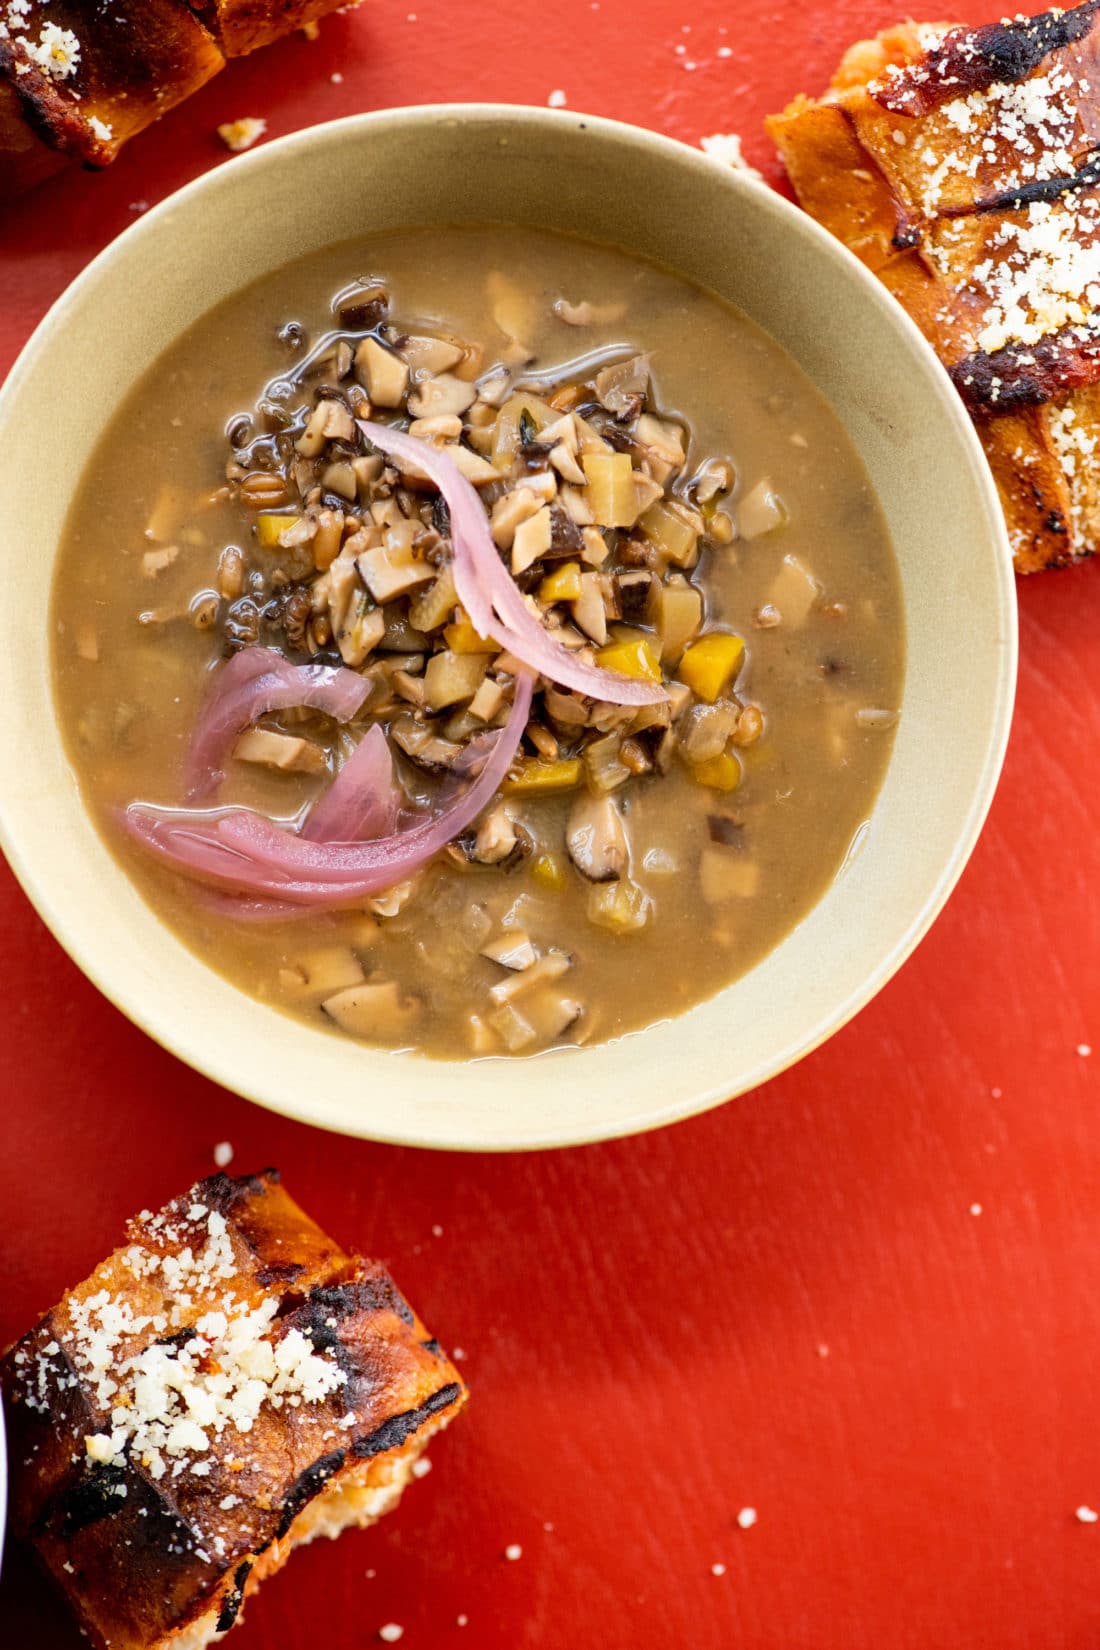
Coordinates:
(862, 1300)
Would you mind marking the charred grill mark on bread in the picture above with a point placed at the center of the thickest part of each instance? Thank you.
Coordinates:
(1019, 376)
(972, 60)
(394, 1432)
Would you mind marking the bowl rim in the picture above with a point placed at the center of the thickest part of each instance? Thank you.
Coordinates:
(959, 433)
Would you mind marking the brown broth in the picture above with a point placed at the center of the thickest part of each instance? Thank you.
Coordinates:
(808, 786)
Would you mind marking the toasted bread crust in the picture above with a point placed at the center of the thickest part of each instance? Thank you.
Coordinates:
(942, 156)
(152, 1544)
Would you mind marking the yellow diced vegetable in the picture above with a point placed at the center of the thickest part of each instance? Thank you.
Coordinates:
(269, 530)
(563, 584)
(538, 778)
(711, 664)
(636, 658)
(721, 773)
(461, 637)
(610, 491)
(548, 870)
(621, 906)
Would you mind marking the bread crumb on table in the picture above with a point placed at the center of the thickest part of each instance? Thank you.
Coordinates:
(243, 133)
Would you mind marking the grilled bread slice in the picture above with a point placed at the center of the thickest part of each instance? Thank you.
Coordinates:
(963, 167)
(226, 1386)
(79, 78)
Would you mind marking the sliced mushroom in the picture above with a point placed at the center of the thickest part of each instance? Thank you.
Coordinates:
(496, 838)
(384, 375)
(621, 387)
(512, 950)
(596, 839)
(441, 396)
(281, 751)
(375, 1009)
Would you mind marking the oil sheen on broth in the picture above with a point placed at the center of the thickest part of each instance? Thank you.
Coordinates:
(717, 875)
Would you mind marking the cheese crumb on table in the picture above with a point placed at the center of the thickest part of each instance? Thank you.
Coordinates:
(243, 133)
(513, 1551)
(725, 147)
(421, 1468)
(557, 100)
(718, 1569)
(1086, 1515)
(1084, 1050)
(746, 1518)
(223, 1154)
(390, 1633)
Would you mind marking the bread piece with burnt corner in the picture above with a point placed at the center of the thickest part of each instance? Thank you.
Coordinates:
(226, 1386)
(963, 167)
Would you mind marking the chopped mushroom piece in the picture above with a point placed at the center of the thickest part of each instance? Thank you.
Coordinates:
(586, 314)
(384, 375)
(548, 968)
(280, 750)
(793, 592)
(432, 354)
(622, 386)
(532, 540)
(156, 561)
(496, 838)
(511, 950)
(441, 396)
(726, 874)
(596, 839)
(376, 1009)
(331, 968)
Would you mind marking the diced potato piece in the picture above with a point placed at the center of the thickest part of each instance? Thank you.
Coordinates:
(332, 968)
(672, 530)
(279, 750)
(609, 491)
(506, 431)
(532, 540)
(461, 637)
(270, 529)
(514, 306)
(376, 1010)
(604, 767)
(760, 511)
(452, 678)
(341, 478)
(562, 585)
(389, 572)
(726, 874)
(478, 1036)
(87, 642)
(433, 607)
(158, 561)
(676, 612)
(632, 658)
(620, 906)
(549, 872)
(794, 591)
(361, 627)
(487, 701)
(535, 777)
(721, 772)
(384, 375)
(711, 664)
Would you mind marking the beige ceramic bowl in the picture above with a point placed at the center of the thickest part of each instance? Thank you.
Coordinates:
(424, 166)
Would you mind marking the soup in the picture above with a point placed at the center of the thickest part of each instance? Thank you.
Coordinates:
(536, 739)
